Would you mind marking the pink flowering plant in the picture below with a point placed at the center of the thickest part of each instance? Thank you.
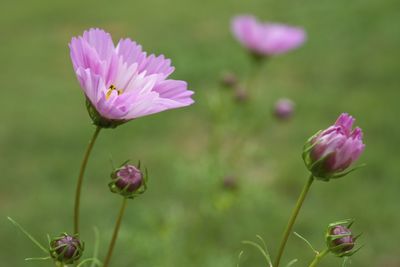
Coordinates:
(328, 154)
(121, 83)
(262, 40)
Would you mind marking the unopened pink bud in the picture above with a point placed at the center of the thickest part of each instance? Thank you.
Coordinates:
(66, 249)
(330, 152)
(128, 181)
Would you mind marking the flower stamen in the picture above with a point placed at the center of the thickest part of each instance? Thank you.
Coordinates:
(111, 89)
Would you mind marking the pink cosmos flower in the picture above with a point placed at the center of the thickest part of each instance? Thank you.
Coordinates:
(330, 152)
(121, 82)
(265, 39)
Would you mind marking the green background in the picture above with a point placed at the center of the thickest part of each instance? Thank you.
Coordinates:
(349, 64)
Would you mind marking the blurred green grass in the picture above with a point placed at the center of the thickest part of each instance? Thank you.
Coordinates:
(349, 64)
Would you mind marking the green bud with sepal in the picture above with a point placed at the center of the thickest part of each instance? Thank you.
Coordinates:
(340, 239)
(66, 249)
(128, 180)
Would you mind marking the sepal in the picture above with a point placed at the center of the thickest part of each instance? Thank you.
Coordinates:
(100, 121)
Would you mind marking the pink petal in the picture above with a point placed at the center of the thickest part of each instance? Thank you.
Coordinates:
(175, 90)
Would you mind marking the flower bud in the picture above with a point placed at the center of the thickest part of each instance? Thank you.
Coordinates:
(128, 181)
(66, 248)
(241, 94)
(340, 239)
(229, 80)
(284, 109)
(330, 152)
(230, 182)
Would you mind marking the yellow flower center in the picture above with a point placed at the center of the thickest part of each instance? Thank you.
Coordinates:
(111, 89)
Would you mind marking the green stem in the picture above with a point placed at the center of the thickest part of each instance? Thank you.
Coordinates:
(115, 234)
(292, 219)
(256, 68)
(318, 258)
(80, 179)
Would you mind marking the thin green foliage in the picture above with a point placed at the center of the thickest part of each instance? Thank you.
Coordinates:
(307, 242)
(38, 258)
(291, 262)
(37, 243)
(95, 262)
(263, 250)
(346, 260)
(96, 247)
(239, 257)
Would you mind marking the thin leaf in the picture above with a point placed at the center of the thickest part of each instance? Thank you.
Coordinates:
(48, 238)
(96, 245)
(264, 253)
(307, 242)
(239, 257)
(38, 258)
(291, 262)
(96, 261)
(345, 261)
(262, 241)
(37, 243)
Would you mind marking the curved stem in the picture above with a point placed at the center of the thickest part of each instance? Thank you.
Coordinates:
(292, 219)
(80, 179)
(115, 234)
(318, 258)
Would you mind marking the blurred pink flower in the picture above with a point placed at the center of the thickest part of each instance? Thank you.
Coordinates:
(121, 82)
(284, 108)
(266, 38)
(330, 152)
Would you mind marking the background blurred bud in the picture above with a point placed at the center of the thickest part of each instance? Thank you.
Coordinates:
(66, 249)
(241, 94)
(340, 239)
(229, 79)
(230, 182)
(330, 152)
(128, 180)
(284, 109)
